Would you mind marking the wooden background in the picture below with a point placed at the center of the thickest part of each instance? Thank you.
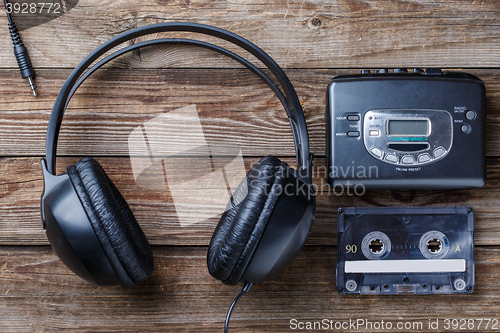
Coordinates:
(313, 40)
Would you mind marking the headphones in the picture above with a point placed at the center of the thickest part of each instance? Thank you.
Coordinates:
(93, 231)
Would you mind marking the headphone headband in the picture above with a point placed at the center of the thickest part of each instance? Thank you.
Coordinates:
(293, 107)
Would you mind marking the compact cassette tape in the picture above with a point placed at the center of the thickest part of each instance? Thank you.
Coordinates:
(420, 250)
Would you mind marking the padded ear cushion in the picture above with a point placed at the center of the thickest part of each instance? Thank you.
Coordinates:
(121, 238)
(241, 226)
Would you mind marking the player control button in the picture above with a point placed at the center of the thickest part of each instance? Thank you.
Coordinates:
(433, 71)
(422, 158)
(353, 134)
(377, 152)
(418, 70)
(465, 128)
(365, 71)
(439, 152)
(400, 70)
(353, 117)
(392, 158)
(470, 115)
(407, 159)
(383, 71)
(374, 132)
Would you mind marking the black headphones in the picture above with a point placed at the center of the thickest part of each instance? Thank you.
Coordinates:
(94, 232)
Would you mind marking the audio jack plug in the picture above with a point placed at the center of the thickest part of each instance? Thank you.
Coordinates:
(21, 53)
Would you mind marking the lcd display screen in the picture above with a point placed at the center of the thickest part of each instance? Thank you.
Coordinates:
(408, 127)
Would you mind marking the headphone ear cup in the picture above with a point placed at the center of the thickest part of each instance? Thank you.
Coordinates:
(241, 226)
(116, 228)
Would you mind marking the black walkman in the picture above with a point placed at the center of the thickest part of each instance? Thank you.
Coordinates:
(406, 130)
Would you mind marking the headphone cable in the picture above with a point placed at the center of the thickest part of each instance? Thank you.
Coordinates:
(7, 11)
(246, 289)
(20, 51)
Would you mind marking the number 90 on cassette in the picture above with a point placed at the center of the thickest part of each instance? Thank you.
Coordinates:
(418, 250)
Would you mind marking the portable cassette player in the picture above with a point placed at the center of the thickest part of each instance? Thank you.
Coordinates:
(400, 130)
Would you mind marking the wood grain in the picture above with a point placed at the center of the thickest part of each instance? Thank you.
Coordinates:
(234, 107)
(38, 293)
(297, 34)
(21, 186)
(313, 40)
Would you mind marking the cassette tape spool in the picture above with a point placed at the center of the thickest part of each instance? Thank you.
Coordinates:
(405, 250)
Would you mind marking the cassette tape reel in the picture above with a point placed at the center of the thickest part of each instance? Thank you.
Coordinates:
(405, 250)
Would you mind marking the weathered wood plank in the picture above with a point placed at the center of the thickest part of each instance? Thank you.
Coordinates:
(21, 187)
(38, 293)
(234, 107)
(314, 33)
(308, 38)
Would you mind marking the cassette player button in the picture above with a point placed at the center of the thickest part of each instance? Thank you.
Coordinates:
(377, 152)
(422, 158)
(407, 159)
(392, 158)
(439, 152)
(433, 71)
(353, 134)
(470, 115)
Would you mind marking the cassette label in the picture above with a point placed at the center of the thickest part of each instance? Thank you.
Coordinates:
(405, 250)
